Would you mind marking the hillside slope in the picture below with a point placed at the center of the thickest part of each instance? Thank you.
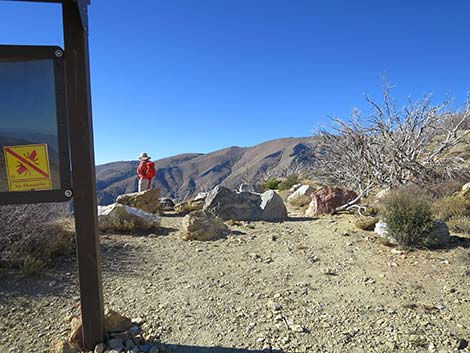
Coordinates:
(185, 175)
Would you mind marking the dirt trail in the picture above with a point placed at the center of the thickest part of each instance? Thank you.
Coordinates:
(299, 286)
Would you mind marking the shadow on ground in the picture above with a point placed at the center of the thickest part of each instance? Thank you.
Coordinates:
(456, 242)
(176, 348)
(300, 219)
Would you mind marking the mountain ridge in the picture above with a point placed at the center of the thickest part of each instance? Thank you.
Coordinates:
(183, 176)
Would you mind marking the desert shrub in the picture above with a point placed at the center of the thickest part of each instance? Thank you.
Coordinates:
(459, 225)
(366, 223)
(451, 207)
(407, 212)
(271, 184)
(300, 201)
(290, 181)
(31, 235)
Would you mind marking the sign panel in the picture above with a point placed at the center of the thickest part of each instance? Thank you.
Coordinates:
(34, 153)
(27, 167)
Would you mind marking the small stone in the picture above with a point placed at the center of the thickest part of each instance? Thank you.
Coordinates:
(298, 328)
(462, 344)
(130, 344)
(274, 305)
(99, 348)
(138, 321)
(154, 349)
(116, 344)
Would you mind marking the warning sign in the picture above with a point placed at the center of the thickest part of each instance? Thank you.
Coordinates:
(27, 167)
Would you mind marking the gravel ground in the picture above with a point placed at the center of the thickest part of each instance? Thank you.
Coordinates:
(299, 286)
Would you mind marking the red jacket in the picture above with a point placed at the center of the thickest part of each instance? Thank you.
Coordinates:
(141, 169)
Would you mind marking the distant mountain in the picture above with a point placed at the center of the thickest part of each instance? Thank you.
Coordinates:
(183, 176)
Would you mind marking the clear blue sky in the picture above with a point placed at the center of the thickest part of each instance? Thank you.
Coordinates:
(179, 76)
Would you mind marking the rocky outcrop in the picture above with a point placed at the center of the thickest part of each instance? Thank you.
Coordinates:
(301, 191)
(327, 199)
(245, 206)
(147, 201)
(121, 218)
(199, 225)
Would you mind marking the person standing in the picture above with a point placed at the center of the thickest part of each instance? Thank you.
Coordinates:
(145, 172)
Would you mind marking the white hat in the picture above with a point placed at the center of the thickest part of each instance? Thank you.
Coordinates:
(144, 156)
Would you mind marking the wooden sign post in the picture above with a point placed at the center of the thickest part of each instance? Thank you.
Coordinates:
(28, 169)
(83, 170)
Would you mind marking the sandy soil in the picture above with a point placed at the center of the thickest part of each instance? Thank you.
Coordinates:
(299, 286)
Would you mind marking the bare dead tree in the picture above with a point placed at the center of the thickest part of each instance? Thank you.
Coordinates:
(393, 146)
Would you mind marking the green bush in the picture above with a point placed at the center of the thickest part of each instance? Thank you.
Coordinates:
(451, 207)
(459, 225)
(271, 184)
(407, 212)
(289, 182)
(366, 223)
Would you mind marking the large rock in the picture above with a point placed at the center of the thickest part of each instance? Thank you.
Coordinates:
(327, 199)
(245, 206)
(272, 206)
(302, 191)
(117, 217)
(148, 201)
(438, 237)
(381, 230)
(294, 187)
(199, 225)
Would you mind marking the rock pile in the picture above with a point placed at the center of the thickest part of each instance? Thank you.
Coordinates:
(245, 206)
(122, 335)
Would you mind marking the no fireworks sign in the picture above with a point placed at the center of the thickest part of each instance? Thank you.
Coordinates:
(34, 137)
(27, 167)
